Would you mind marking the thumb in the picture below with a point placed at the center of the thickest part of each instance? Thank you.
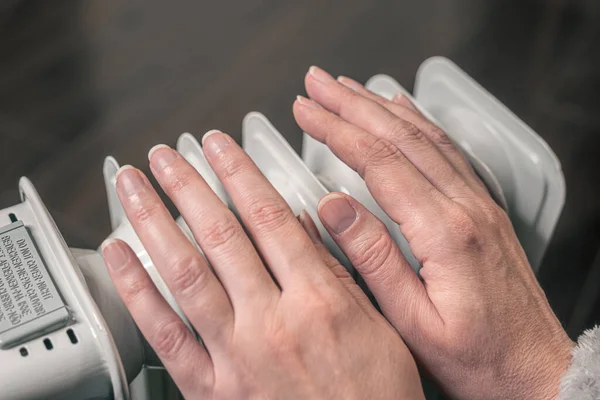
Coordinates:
(370, 248)
(333, 264)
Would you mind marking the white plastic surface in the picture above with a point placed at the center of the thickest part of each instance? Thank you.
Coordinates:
(89, 369)
(126, 336)
(109, 170)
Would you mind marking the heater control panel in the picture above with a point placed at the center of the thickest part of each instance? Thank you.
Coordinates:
(30, 304)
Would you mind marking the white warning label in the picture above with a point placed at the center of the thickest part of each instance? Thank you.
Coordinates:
(26, 291)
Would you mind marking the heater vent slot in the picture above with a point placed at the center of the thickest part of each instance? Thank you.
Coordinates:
(48, 344)
(72, 336)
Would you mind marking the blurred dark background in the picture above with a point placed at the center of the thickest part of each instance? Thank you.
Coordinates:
(82, 80)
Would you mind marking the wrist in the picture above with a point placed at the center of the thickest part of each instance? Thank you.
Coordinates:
(535, 373)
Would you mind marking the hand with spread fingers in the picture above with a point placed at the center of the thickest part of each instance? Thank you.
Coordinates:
(279, 317)
(477, 319)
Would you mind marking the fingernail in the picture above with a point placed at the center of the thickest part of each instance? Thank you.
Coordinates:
(337, 213)
(308, 102)
(309, 226)
(130, 180)
(350, 83)
(115, 255)
(161, 156)
(320, 74)
(217, 143)
(400, 98)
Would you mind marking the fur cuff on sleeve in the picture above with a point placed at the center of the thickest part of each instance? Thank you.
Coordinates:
(582, 379)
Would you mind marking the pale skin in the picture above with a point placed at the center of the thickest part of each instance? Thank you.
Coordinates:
(478, 320)
(280, 318)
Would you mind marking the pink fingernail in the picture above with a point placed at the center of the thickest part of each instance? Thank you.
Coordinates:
(214, 142)
(337, 213)
(350, 83)
(308, 102)
(161, 156)
(398, 98)
(115, 255)
(320, 74)
(130, 180)
(401, 99)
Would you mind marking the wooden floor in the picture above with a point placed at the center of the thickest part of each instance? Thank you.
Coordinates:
(82, 80)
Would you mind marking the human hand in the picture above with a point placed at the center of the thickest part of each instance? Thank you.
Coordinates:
(305, 332)
(478, 320)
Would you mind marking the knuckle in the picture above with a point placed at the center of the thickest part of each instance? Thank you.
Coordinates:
(405, 131)
(169, 339)
(189, 276)
(374, 253)
(136, 290)
(145, 213)
(440, 138)
(486, 213)
(329, 307)
(494, 214)
(338, 308)
(232, 167)
(318, 306)
(381, 152)
(466, 231)
(179, 182)
(268, 215)
(218, 234)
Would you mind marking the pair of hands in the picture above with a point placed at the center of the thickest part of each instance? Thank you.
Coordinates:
(281, 318)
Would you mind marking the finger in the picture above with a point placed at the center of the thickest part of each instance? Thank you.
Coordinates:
(389, 176)
(330, 261)
(333, 264)
(184, 270)
(187, 362)
(403, 108)
(379, 121)
(265, 214)
(445, 144)
(370, 248)
(310, 227)
(215, 228)
(402, 100)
